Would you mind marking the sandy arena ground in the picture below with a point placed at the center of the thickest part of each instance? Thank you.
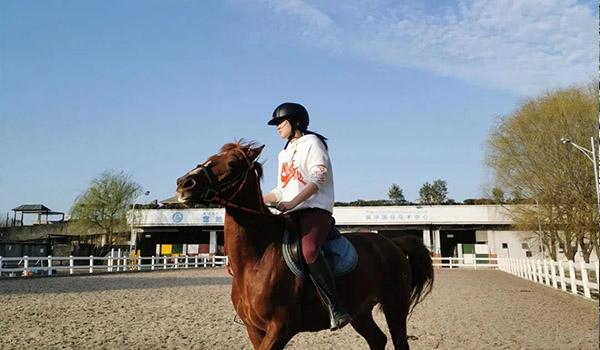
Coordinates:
(191, 310)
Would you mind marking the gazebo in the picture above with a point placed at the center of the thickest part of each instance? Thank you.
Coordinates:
(39, 209)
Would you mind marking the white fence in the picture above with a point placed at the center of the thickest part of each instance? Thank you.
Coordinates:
(575, 277)
(578, 278)
(52, 265)
(472, 263)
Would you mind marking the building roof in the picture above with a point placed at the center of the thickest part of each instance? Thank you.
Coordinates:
(170, 200)
(33, 208)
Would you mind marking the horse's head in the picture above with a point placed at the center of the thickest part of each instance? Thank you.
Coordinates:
(222, 176)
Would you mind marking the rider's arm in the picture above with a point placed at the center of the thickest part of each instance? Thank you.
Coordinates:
(310, 189)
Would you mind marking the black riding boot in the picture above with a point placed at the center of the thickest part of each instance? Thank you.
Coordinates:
(322, 277)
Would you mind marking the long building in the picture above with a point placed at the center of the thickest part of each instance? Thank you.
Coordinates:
(448, 230)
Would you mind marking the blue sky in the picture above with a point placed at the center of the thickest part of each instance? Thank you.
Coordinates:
(407, 93)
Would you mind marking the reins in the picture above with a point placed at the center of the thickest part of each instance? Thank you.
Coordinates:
(213, 193)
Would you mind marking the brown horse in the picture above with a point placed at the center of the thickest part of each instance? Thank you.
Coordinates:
(273, 303)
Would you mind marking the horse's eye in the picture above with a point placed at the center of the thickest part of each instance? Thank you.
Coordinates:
(234, 164)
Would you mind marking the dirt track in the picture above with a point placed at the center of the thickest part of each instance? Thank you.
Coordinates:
(191, 310)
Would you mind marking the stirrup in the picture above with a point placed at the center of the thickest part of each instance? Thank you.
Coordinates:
(338, 319)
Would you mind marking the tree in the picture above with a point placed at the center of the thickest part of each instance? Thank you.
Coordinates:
(5, 220)
(498, 195)
(103, 206)
(436, 193)
(554, 180)
(396, 195)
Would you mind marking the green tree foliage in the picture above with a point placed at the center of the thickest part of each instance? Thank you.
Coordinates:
(103, 206)
(436, 193)
(396, 194)
(498, 195)
(532, 166)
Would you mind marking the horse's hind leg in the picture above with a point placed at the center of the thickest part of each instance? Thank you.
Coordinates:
(366, 326)
(396, 313)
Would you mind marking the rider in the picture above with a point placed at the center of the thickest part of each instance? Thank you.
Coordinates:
(305, 190)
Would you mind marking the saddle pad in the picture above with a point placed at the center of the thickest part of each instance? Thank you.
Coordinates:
(340, 254)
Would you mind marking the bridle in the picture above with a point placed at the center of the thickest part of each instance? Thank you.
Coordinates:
(215, 190)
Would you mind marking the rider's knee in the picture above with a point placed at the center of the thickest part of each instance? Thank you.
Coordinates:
(310, 254)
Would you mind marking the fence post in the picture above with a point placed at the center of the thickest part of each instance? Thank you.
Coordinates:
(561, 272)
(540, 274)
(49, 271)
(152, 263)
(450, 259)
(196, 261)
(204, 261)
(572, 277)
(186, 261)
(119, 259)
(139, 263)
(164, 263)
(546, 275)
(553, 272)
(25, 265)
(112, 259)
(71, 264)
(584, 279)
(597, 275)
(91, 264)
(1, 266)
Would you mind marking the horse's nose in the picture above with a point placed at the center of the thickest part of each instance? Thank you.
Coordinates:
(187, 184)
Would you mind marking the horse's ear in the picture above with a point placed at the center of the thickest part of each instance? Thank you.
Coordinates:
(253, 153)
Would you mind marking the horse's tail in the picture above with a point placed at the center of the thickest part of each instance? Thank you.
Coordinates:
(421, 267)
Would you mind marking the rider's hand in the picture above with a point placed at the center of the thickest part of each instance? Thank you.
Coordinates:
(285, 206)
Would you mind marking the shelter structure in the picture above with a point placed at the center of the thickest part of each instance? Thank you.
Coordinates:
(36, 209)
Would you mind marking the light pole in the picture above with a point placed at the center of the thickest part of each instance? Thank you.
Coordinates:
(591, 155)
(132, 216)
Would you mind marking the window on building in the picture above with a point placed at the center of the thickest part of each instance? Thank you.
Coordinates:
(505, 245)
(525, 246)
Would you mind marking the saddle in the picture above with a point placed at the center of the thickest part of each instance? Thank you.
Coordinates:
(338, 250)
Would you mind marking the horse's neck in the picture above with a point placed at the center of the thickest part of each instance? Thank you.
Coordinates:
(249, 235)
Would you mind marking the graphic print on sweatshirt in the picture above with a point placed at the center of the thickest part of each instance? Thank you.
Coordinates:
(290, 172)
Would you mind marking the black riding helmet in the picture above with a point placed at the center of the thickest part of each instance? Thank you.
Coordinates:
(293, 112)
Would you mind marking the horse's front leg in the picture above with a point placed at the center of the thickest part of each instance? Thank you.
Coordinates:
(276, 337)
(256, 336)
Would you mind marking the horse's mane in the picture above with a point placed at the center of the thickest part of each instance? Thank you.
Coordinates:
(244, 146)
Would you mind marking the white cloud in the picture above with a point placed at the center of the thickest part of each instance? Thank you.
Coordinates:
(517, 45)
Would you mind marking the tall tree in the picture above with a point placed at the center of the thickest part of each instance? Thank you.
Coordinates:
(532, 165)
(396, 194)
(103, 206)
(436, 193)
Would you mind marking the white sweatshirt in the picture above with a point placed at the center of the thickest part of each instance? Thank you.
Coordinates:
(306, 160)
